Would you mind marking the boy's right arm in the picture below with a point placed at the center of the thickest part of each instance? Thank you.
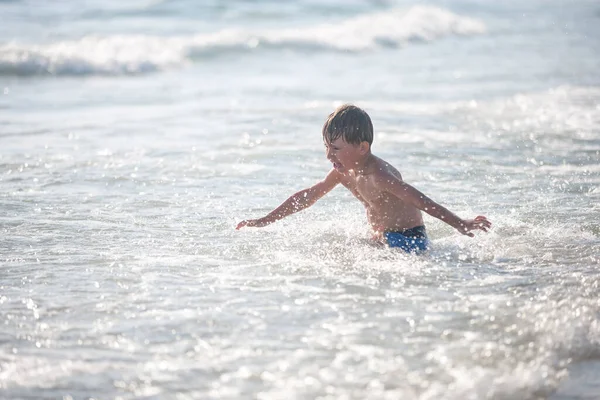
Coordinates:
(298, 201)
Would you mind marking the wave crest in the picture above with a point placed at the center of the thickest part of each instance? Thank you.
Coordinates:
(135, 54)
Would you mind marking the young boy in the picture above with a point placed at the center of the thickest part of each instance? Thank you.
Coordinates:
(393, 206)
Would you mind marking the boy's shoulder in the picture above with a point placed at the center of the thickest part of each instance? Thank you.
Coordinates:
(385, 170)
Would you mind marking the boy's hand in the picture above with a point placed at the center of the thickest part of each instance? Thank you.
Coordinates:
(257, 223)
(480, 222)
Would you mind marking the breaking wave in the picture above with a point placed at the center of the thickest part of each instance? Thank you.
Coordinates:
(136, 54)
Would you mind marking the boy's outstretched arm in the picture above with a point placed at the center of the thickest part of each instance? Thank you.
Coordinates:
(409, 194)
(298, 201)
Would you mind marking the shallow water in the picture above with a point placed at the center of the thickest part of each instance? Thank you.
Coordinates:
(135, 136)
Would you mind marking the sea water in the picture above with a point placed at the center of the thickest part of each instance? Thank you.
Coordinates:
(135, 135)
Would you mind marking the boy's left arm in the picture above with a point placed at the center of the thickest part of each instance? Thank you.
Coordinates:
(411, 195)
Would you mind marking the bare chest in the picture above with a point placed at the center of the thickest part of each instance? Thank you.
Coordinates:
(363, 188)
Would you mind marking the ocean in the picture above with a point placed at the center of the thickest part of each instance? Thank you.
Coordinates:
(135, 135)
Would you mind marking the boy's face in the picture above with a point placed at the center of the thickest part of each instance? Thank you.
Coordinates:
(343, 155)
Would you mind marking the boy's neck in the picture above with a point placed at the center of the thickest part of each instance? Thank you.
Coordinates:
(363, 166)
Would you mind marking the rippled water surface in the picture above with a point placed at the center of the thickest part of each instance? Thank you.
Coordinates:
(134, 136)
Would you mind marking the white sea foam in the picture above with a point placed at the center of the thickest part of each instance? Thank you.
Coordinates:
(132, 54)
(565, 111)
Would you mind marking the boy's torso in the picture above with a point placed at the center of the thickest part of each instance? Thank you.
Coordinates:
(385, 211)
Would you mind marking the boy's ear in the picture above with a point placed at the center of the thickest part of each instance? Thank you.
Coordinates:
(364, 147)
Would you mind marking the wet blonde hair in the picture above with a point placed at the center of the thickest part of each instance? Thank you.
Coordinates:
(351, 123)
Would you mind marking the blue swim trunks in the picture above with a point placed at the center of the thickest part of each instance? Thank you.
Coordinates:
(413, 240)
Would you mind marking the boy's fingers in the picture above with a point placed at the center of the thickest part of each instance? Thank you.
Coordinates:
(241, 225)
(483, 221)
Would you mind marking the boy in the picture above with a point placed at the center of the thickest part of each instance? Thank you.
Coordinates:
(393, 206)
